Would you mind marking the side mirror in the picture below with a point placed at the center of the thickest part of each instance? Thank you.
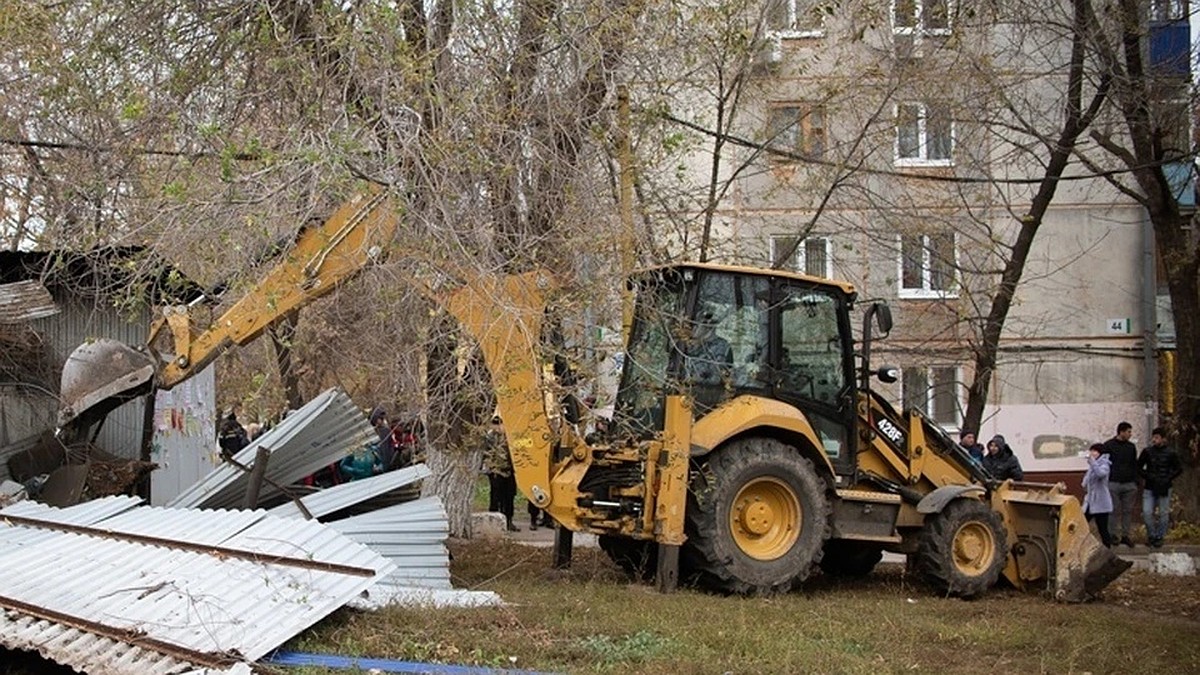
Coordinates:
(888, 374)
(883, 317)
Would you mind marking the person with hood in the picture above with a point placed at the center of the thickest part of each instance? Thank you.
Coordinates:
(231, 435)
(1097, 500)
(1000, 461)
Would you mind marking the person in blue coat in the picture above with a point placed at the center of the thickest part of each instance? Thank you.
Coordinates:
(966, 438)
(1097, 500)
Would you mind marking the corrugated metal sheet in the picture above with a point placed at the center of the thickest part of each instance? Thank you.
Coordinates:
(334, 499)
(412, 535)
(185, 441)
(11, 449)
(196, 586)
(24, 301)
(92, 654)
(12, 539)
(320, 433)
(25, 412)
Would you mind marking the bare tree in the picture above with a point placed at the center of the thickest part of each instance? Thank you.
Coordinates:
(211, 131)
(1155, 108)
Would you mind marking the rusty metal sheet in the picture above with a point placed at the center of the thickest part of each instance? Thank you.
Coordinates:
(65, 485)
(25, 301)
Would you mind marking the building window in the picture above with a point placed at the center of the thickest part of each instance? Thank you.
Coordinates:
(927, 263)
(810, 255)
(796, 18)
(921, 17)
(1168, 10)
(935, 391)
(924, 135)
(797, 128)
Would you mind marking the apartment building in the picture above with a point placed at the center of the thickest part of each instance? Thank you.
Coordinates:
(903, 156)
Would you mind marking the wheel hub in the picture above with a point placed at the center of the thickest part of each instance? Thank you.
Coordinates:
(974, 548)
(765, 518)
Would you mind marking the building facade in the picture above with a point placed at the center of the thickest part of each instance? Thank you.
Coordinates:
(901, 146)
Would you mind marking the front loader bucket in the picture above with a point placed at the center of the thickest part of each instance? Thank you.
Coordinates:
(1052, 547)
(101, 375)
(1085, 566)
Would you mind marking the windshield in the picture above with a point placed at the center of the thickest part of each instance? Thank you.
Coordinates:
(640, 400)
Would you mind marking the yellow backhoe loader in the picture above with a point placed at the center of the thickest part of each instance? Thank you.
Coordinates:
(748, 446)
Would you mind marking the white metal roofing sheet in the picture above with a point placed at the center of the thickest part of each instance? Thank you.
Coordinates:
(241, 587)
(412, 535)
(87, 513)
(93, 654)
(333, 499)
(320, 433)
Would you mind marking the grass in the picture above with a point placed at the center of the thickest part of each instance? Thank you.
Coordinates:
(592, 620)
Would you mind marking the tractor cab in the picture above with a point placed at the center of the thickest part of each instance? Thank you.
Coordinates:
(717, 332)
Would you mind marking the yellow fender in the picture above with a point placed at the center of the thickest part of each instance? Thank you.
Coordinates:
(745, 413)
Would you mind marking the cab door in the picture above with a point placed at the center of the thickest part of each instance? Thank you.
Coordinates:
(812, 358)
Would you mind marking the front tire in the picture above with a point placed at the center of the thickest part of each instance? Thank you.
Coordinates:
(757, 518)
(963, 549)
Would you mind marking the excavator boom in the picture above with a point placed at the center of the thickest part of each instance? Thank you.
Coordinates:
(102, 374)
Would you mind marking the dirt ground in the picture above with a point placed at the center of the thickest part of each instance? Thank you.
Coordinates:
(1164, 595)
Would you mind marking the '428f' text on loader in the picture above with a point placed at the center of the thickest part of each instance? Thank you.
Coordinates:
(748, 446)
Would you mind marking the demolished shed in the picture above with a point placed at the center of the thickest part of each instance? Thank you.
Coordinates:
(154, 590)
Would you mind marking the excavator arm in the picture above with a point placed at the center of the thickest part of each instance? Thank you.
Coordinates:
(102, 374)
(323, 258)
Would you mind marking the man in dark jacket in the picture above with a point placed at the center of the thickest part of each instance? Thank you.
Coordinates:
(1158, 467)
(1000, 461)
(231, 435)
(385, 448)
(966, 438)
(1122, 483)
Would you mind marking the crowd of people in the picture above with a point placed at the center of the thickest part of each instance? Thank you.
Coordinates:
(1116, 471)
(396, 446)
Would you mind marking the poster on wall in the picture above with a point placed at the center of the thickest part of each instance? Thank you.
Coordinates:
(1055, 438)
(185, 436)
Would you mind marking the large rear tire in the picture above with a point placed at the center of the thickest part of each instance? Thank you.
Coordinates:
(963, 549)
(757, 517)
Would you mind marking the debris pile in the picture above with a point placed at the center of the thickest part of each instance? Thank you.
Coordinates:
(61, 475)
(165, 590)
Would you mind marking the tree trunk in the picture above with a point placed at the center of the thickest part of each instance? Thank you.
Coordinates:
(1184, 283)
(1077, 119)
(283, 333)
(456, 406)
